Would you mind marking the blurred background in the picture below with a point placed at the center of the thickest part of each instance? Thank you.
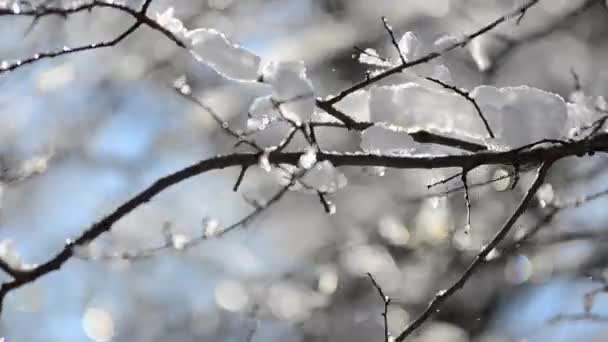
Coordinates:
(80, 134)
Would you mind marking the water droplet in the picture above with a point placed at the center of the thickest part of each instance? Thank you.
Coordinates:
(503, 180)
(179, 241)
(211, 227)
(332, 208)
(264, 162)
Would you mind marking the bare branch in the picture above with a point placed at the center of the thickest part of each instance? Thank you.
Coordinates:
(512, 44)
(6, 66)
(550, 216)
(443, 295)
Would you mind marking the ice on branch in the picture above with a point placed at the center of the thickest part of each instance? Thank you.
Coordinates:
(545, 195)
(9, 254)
(179, 241)
(181, 84)
(480, 54)
(261, 113)
(211, 228)
(292, 91)
(356, 105)
(448, 40)
(213, 48)
(228, 59)
(523, 114)
(168, 20)
(386, 139)
(323, 177)
(371, 57)
(583, 110)
(410, 46)
(414, 105)
(263, 161)
(309, 158)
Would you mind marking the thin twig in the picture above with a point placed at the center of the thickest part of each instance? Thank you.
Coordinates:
(467, 96)
(443, 295)
(386, 300)
(328, 104)
(141, 18)
(467, 199)
(431, 56)
(391, 34)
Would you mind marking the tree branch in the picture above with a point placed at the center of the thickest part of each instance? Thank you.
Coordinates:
(141, 18)
(443, 295)
(517, 156)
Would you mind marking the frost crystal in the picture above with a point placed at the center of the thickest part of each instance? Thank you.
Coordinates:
(309, 158)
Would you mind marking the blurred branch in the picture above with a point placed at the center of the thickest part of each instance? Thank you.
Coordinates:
(554, 209)
(443, 295)
(512, 44)
(206, 235)
(588, 317)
